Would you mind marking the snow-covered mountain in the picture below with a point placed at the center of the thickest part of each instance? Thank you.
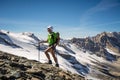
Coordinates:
(101, 45)
(72, 55)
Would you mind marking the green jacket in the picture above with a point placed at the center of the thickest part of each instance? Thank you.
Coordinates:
(51, 38)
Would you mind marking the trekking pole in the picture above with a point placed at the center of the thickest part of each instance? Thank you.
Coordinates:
(38, 51)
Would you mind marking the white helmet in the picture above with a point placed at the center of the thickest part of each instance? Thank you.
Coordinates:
(50, 27)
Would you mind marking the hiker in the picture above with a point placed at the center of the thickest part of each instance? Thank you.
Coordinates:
(53, 41)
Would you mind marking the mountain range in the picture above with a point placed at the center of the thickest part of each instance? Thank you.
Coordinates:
(94, 58)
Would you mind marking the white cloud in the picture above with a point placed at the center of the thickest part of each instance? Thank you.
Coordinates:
(102, 6)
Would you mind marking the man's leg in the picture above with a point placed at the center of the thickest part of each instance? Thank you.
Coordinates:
(54, 57)
(47, 55)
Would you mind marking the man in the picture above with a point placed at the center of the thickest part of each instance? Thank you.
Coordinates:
(52, 45)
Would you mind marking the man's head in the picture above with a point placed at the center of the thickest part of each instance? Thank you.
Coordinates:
(50, 29)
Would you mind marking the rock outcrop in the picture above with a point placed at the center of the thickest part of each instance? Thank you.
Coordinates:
(19, 68)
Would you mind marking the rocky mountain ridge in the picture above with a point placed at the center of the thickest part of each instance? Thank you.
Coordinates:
(99, 43)
(19, 68)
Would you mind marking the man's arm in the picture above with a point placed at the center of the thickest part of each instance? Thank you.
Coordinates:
(57, 43)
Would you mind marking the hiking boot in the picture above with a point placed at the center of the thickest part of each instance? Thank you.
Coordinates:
(49, 62)
(57, 65)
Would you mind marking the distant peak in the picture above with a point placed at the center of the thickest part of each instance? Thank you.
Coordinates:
(4, 31)
(28, 34)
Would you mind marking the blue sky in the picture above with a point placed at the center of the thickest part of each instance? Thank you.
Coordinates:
(72, 18)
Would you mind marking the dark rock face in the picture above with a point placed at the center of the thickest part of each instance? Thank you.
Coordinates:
(19, 68)
(98, 43)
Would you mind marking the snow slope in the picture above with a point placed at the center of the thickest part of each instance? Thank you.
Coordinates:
(70, 57)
